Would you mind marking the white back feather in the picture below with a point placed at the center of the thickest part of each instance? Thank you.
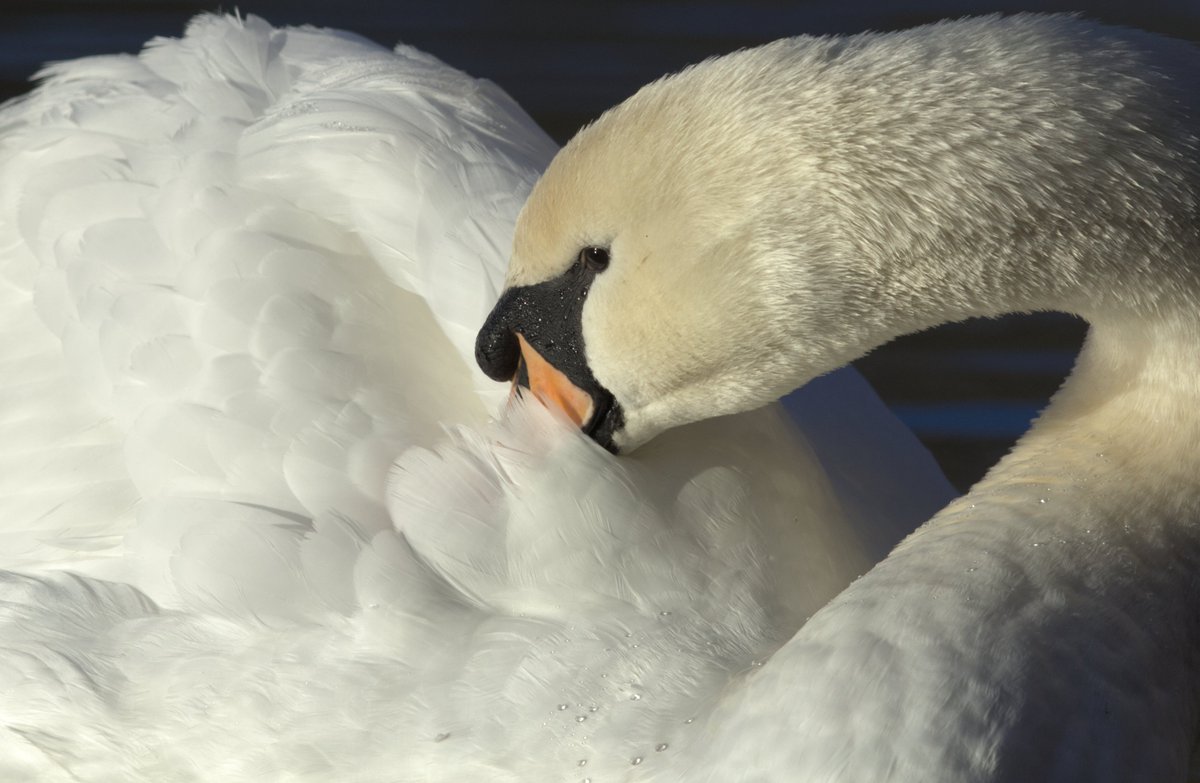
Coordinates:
(241, 276)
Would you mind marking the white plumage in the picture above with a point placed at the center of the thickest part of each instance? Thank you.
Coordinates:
(240, 276)
(799, 204)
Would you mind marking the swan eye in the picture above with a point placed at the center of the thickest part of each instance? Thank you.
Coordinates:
(594, 259)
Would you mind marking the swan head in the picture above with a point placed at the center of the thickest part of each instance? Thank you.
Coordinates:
(681, 259)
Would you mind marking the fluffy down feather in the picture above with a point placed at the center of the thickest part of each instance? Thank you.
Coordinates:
(241, 274)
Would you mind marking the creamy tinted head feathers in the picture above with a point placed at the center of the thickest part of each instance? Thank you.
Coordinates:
(778, 212)
(666, 182)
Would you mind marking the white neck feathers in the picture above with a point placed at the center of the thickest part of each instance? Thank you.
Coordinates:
(1044, 626)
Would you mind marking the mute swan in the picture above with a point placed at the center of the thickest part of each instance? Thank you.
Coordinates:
(732, 231)
(241, 274)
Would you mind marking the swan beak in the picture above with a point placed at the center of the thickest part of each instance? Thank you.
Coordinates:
(547, 315)
(551, 386)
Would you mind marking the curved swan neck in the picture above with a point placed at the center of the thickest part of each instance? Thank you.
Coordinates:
(1129, 410)
(1114, 455)
(1070, 571)
(1045, 625)
(1041, 627)
(963, 172)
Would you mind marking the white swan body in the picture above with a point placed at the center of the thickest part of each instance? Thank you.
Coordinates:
(795, 205)
(240, 275)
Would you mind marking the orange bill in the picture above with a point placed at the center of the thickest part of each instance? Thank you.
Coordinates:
(553, 388)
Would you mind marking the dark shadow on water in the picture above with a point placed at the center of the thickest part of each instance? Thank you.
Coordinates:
(969, 390)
